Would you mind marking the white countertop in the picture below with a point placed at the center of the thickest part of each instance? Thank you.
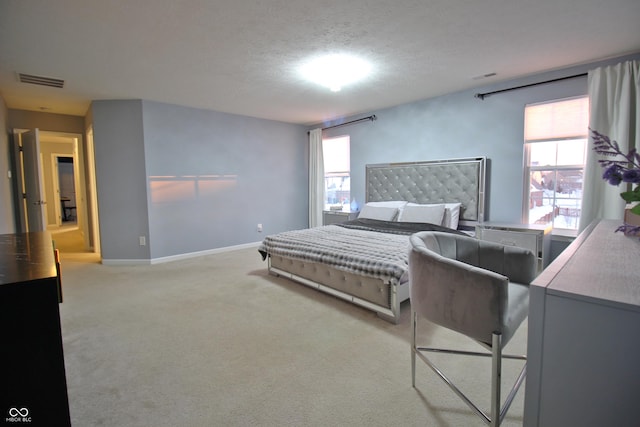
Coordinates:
(600, 265)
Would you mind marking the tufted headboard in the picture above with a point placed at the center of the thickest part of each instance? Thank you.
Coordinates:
(440, 181)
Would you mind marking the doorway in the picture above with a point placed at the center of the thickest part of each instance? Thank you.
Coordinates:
(63, 189)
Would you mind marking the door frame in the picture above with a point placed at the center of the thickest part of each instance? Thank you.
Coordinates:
(80, 165)
(92, 195)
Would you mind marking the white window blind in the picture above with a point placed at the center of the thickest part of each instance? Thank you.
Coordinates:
(336, 155)
(557, 120)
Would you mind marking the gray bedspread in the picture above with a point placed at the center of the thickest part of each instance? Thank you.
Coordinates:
(371, 248)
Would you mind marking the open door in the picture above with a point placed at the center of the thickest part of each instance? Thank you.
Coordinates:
(33, 182)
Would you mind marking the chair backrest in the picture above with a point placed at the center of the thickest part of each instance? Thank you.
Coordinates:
(468, 285)
(511, 261)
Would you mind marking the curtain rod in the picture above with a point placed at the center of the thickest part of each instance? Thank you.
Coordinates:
(482, 96)
(371, 118)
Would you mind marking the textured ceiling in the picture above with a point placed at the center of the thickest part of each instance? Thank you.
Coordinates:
(241, 56)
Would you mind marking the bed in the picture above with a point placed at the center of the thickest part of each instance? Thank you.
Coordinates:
(365, 261)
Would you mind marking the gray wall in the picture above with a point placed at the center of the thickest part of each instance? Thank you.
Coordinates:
(460, 125)
(118, 137)
(7, 222)
(228, 173)
(192, 180)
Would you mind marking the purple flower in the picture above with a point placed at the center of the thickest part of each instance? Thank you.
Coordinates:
(631, 175)
(613, 175)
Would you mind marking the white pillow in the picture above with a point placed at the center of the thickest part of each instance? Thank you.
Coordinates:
(383, 213)
(451, 215)
(389, 204)
(432, 214)
(400, 204)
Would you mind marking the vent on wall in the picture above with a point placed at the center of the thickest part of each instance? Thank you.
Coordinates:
(40, 80)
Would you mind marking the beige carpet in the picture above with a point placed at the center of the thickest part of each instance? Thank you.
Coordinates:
(216, 341)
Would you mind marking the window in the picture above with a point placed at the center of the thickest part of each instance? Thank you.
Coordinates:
(337, 171)
(555, 149)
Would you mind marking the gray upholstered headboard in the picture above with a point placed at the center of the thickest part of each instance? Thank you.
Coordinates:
(440, 181)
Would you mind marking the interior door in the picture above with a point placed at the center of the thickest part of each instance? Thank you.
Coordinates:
(33, 181)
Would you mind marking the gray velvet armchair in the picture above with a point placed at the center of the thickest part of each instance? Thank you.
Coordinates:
(477, 288)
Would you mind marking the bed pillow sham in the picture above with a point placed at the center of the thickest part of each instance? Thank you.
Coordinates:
(451, 215)
(432, 214)
(389, 204)
(382, 213)
(399, 204)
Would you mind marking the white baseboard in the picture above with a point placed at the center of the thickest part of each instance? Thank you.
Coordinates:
(179, 256)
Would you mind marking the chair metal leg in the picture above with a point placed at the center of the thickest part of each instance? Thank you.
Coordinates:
(414, 319)
(497, 412)
(496, 377)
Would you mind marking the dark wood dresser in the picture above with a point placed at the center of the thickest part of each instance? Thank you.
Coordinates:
(33, 386)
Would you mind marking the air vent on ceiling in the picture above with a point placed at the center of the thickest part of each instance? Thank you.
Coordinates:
(40, 80)
(484, 76)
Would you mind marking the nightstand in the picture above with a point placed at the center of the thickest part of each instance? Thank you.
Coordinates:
(536, 238)
(336, 217)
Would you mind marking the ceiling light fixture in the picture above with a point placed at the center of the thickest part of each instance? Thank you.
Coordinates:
(335, 71)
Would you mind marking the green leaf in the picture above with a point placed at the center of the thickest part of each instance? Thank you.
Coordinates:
(636, 209)
(631, 196)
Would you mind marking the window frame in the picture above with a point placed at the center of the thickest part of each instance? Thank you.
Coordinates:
(528, 169)
(337, 174)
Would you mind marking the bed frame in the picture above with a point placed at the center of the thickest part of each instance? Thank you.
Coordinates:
(441, 181)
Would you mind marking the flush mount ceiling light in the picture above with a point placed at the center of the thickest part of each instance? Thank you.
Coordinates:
(335, 71)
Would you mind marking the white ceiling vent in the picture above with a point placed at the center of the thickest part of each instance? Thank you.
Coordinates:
(40, 80)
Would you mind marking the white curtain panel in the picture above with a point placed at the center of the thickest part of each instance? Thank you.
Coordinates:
(316, 178)
(614, 97)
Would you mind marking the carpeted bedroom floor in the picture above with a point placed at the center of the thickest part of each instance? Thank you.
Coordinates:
(216, 341)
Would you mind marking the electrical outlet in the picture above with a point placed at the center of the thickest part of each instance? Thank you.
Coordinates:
(259, 228)
(143, 241)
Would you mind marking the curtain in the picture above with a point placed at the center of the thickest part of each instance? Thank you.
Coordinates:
(614, 96)
(316, 178)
